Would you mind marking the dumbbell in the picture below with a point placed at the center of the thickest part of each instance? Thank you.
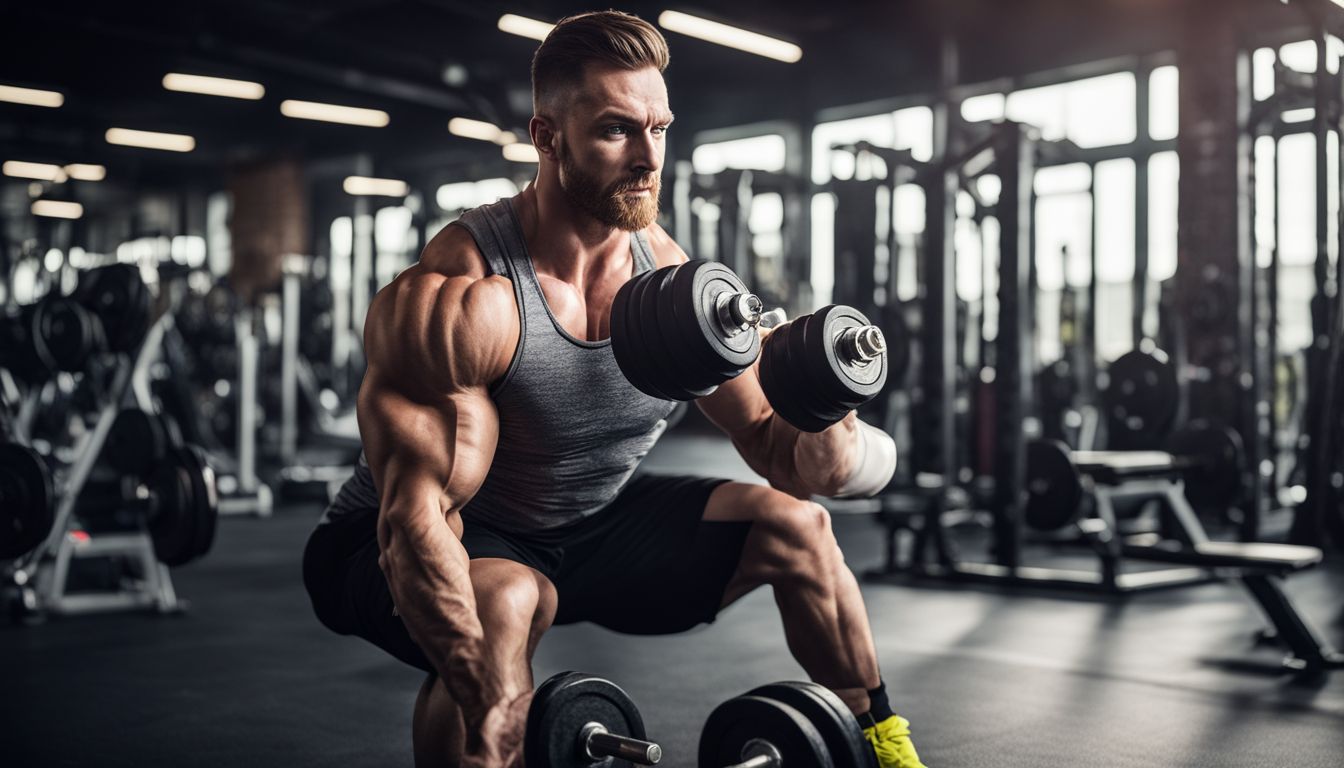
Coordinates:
(137, 442)
(27, 500)
(680, 331)
(176, 499)
(578, 720)
(816, 368)
(782, 725)
(118, 296)
(66, 334)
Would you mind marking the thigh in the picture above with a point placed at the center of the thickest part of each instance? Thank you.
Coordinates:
(351, 596)
(657, 567)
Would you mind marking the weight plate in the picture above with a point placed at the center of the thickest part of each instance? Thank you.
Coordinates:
(738, 723)
(204, 497)
(18, 351)
(843, 379)
(119, 297)
(1212, 464)
(27, 500)
(560, 709)
(66, 334)
(173, 517)
(625, 336)
(697, 288)
(1140, 399)
(677, 338)
(642, 351)
(832, 719)
(776, 379)
(1054, 487)
(813, 398)
(136, 443)
(669, 377)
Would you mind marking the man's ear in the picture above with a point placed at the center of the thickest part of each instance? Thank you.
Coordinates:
(545, 135)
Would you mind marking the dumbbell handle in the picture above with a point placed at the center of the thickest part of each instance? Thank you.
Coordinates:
(599, 743)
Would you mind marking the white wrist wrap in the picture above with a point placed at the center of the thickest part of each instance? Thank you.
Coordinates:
(875, 466)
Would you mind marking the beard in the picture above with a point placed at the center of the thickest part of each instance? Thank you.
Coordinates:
(609, 204)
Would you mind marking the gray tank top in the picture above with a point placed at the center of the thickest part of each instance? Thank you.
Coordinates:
(572, 429)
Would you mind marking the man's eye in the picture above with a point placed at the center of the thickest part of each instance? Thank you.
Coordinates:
(614, 130)
(659, 130)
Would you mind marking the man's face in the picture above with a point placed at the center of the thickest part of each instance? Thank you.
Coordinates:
(612, 143)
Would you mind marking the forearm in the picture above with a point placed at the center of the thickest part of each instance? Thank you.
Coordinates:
(428, 574)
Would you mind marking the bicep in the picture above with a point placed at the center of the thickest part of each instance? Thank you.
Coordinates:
(427, 452)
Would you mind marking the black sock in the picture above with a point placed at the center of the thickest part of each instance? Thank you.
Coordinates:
(879, 708)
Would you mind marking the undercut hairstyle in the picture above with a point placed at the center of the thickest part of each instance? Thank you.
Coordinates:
(609, 38)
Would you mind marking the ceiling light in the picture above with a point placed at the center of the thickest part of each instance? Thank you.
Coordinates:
(86, 172)
(57, 209)
(524, 27)
(733, 37)
(20, 169)
(505, 138)
(30, 96)
(333, 113)
(213, 86)
(473, 129)
(364, 185)
(170, 142)
(1299, 115)
(521, 153)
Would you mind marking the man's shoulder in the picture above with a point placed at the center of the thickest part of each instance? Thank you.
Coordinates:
(665, 249)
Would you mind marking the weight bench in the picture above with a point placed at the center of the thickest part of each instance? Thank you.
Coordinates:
(1103, 476)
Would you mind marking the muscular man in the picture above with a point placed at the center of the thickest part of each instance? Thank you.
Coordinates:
(496, 496)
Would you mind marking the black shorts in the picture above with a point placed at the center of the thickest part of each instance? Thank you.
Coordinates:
(646, 564)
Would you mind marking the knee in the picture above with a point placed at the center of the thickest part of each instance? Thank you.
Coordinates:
(803, 540)
(521, 602)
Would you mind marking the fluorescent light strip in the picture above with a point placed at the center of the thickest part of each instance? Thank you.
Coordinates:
(505, 138)
(213, 86)
(86, 172)
(31, 96)
(473, 129)
(521, 153)
(364, 185)
(732, 37)
(57, 209)
(169, 142)
(524, 27)
(20, 169)
(334, 113)
(1302, 115)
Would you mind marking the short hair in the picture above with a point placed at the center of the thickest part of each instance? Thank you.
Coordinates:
(597, 37)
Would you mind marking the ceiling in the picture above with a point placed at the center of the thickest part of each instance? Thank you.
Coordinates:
(425, 61)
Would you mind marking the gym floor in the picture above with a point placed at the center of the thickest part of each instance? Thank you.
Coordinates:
(988, 677)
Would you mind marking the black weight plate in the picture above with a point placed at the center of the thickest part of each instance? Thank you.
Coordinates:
(172, 520)
(1140, 399)
(626, 341)
(27, 500)
(1212, 463)
(696, 373)
(832, 719)
(843, 380)
(119, 297)
(66, 334)
(204, 497)
(810, 373)
(696, 290)
(640, 348)
(562, 706)
(18, 350)
(776, 380)
(736, 722)
(672, 377)
(136, 443)
(1054, 487)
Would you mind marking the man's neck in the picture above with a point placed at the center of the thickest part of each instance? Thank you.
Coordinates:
(566, 242)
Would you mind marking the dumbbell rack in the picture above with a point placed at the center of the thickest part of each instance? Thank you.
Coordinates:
(248, 495)
(41, 576)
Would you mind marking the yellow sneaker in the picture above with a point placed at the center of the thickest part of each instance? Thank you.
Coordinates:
(891, 740)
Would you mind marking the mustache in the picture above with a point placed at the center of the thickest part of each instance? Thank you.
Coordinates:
(643, 182)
